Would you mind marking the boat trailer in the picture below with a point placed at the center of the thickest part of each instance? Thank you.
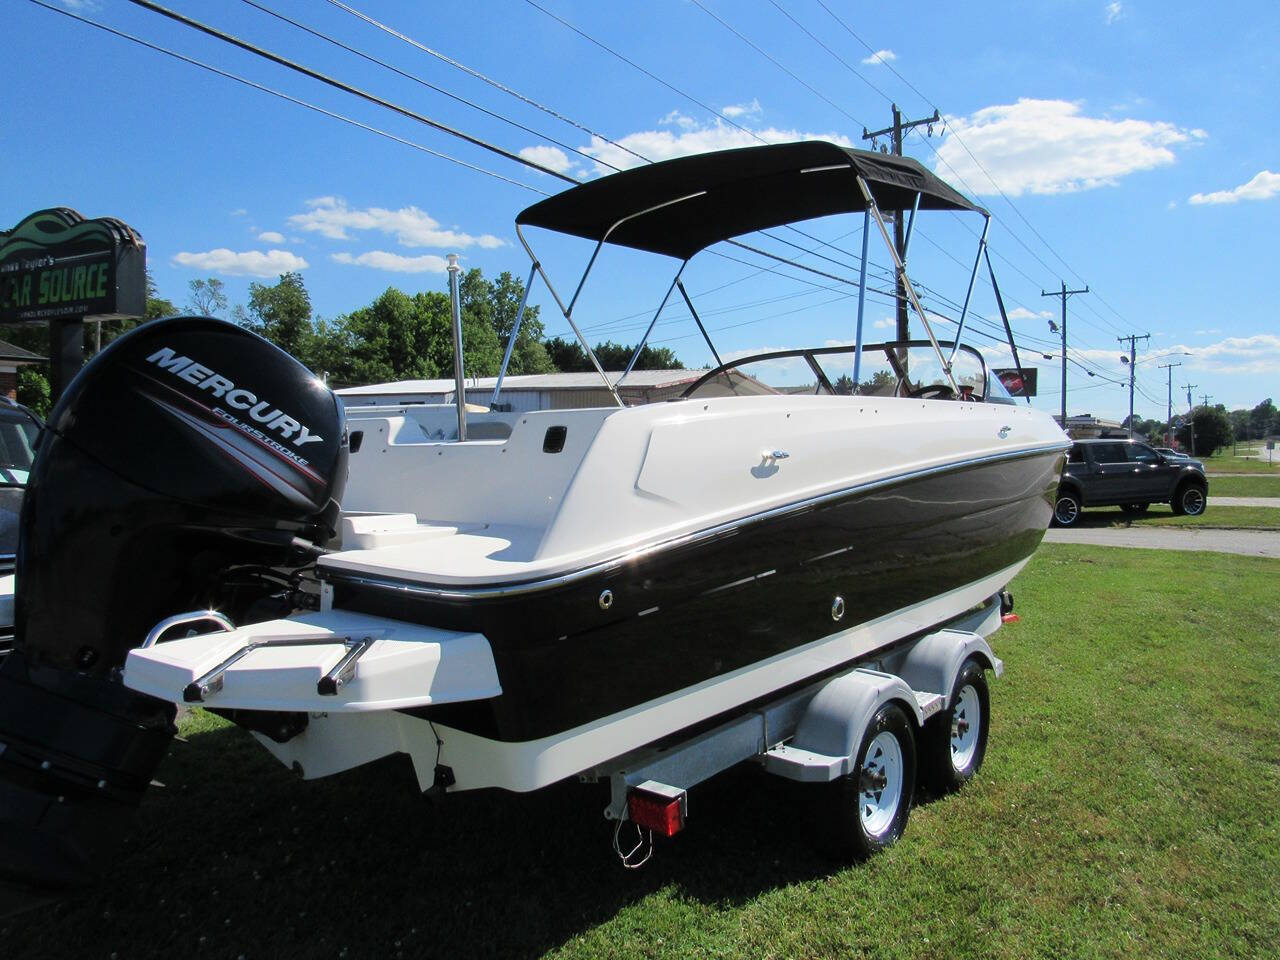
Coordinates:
(844, 730)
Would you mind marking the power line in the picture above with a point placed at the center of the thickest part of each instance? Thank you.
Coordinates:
(408, 76)
(284, 96)
(345, 87)
(480, 76)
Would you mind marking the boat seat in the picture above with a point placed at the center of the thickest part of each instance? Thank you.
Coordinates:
(488, 430)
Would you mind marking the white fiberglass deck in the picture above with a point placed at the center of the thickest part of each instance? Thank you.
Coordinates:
(504, 510)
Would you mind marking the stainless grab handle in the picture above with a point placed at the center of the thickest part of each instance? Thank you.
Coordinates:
(178, 619)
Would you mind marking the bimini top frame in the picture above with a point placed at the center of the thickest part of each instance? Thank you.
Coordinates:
(679, 207)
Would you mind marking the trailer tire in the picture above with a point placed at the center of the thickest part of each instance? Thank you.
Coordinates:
(955, 741)
(867, 809)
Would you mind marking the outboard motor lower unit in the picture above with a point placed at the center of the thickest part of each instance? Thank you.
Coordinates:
(191, 465)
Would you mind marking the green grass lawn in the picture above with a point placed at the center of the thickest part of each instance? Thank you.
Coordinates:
(1254, 486)
(1160, 515)
(1129, 807)
(1225, 462)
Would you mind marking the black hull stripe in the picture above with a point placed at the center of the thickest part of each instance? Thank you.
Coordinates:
(449, 592)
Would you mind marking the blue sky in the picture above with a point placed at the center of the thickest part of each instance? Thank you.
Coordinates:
(1133, 143)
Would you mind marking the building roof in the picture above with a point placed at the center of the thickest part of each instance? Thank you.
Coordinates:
(12, 353)
(639, 379)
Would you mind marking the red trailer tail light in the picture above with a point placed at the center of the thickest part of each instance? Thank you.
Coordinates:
(657, 807)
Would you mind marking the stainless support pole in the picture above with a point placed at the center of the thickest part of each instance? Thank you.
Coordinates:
(862, 301)
(964, 311)
(459, 377)
(515, 333)
(568, 311)
(698, 320)
(906, 283)
(645, 339)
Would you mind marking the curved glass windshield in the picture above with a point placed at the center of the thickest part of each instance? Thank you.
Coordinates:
(18, 435)
(886, 370)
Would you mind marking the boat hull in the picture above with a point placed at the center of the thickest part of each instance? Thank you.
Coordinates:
(572, 652)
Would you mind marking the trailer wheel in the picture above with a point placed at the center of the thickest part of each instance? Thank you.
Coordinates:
(955, 741)
(868, 808)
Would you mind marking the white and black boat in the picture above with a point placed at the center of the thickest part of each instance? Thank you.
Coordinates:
(508, 598)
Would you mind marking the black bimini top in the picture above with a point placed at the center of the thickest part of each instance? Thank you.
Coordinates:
(709, 197)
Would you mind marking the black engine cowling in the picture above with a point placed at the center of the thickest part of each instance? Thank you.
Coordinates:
(187, 448)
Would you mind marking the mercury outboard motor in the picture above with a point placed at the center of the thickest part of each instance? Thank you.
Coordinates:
(187, 459)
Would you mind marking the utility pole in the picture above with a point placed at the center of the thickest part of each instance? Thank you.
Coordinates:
(895, 132)
(1064, 293)
(1133, 338)
(1168, 430)
(1207, 397)
(1191, 423)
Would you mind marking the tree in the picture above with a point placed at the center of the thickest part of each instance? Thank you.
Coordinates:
(1212, 428)
(497, 304)
(843, 385)
(208, 298)
(1262, 419)
(402, 337)
(281, 312)
(882, 383)
(567, 355)
(157, 306)
(33, 390)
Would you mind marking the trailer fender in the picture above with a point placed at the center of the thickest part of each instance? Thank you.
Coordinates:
(933, 663)
(830, 730)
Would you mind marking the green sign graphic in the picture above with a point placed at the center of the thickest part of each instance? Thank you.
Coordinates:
(55, 263)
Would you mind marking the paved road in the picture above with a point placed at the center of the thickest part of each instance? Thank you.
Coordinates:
(1244, 501)
(1251, 543)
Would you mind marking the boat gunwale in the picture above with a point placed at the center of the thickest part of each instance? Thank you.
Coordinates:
(491, 591)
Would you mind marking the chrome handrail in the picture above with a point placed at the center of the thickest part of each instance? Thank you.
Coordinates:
(178, 619)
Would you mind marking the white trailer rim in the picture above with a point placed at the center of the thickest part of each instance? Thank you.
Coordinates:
(878, 804)
(966, 724)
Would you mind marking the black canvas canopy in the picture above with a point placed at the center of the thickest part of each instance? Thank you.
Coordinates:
(732, 192)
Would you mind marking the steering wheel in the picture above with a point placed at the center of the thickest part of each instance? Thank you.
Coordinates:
(934, 391)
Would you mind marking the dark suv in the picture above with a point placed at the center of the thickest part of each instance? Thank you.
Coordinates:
(1128, 474)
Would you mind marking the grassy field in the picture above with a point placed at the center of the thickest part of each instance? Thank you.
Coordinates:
(1224, 461)
(1129, 807)
(1254, 486)
(1160, 515)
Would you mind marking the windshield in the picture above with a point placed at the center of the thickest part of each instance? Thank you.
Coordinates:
(18, 435)
(830, 370)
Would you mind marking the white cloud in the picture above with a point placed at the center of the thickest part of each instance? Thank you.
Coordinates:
(1049, 146)
(677, 119)
(880, 56)
(1262, 187)
(888, 323)
(1114, 11)
(692, 138)
(736, 110)
(239, 212)
(331, 217)
(553, 158)
(1209, 332)
(249, 263)
(270, 236)
(1022, 313)
(1258, 354)
(382, 260)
